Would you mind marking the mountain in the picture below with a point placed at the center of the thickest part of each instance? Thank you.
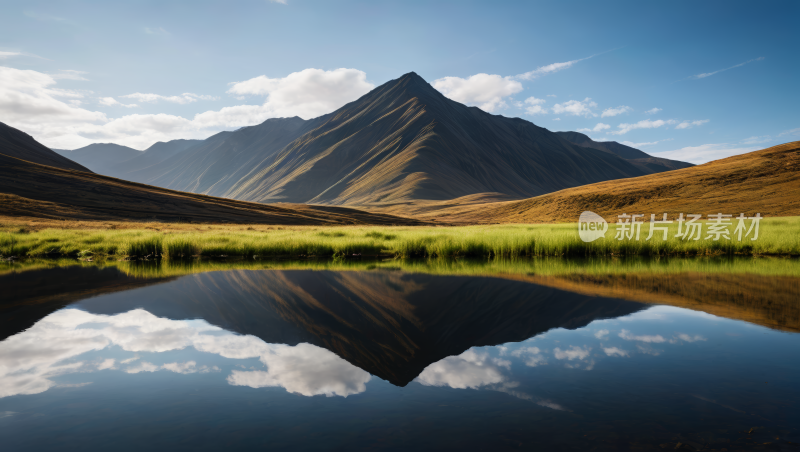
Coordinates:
(39, 190)
(403, 141)
(642, 160)
(153, 155)
(765, 182)
(18, 144)
(100, 157)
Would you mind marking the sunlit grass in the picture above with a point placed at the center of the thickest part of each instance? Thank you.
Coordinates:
(776, 236)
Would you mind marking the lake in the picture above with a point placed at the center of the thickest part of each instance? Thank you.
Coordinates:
(547, 354)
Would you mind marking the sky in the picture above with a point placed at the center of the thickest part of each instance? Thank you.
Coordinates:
(692, 81)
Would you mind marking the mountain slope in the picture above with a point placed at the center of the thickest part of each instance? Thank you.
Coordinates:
(642, 160)
(765, 182)
(403, 141)
(153, 155)
(18, 144)
(32, 189)
(100, 157)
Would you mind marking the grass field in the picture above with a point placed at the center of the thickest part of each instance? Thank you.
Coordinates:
(777, 236)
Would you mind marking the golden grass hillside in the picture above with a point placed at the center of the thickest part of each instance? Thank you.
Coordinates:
(766, 182)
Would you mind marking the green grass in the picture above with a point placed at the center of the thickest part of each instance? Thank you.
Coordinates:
(778, 236)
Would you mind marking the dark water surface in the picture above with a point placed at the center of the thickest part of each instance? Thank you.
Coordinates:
(386, 358)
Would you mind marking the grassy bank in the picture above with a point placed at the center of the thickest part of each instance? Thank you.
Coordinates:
(778, 236)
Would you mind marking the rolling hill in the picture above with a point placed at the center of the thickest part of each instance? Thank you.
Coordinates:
(404, 141)
(39, 190)
(765, 182)
(18, 144)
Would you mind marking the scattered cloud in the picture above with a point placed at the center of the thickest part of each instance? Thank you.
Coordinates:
(4, 55)
(601, 334)
(142, 366)
(687, 338)
(656, 339)
(690, 124)
(709, 74)
(647, 143)
(574, 352)
(531, 356)
(614, 351)
(551, 95)
(643, 124)
(282, 2)
(30, 101)
(156, 31)
(486, 91)
(185, 98)
(576, 108)
(652, 111)
(705, 152)
(535, 106)
(790, 132)
(470, 369)
(758, 140)
(599, 127)
(556, 119)
(106, 364)
(549, 69)
(111, 102)
(648, 350)
(68, 74)
(608, 112)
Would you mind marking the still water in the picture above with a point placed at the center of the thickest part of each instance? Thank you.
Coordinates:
(607, 356)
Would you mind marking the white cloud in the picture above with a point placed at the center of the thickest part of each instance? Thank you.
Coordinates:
(531, 356)
(758, 140)
(4, 55)
(486, 91)
(599, 127)
(790, 132)
(556, 119)
(656, 339)
(647, 143)
(106, 364)
(705, 152)
(30, 102)
(687, 338)
(652, 111)
(110, 102)
(601, 334)
(643, 124)
(614, 351)
(30, 360)
(549, 69)
(67, 74)
(535, 106)
(470, 369)
(185, 98)
(574, 352)
(708, 74)
(551, 95)
(608, 112)
(576, 108)
(689, 124)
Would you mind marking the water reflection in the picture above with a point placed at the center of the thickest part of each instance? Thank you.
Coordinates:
(234, 358)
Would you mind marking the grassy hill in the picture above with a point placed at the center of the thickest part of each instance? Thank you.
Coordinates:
(765, 182)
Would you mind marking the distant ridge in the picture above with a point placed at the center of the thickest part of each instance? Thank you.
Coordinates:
(100, 157)
(402, 142)
(641, 159)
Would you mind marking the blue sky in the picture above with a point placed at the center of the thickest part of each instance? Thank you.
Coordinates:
(722, 75)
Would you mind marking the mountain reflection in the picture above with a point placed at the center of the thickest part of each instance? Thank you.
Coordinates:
(315, 332)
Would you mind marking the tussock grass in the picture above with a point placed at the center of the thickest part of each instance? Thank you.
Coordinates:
(777, 236)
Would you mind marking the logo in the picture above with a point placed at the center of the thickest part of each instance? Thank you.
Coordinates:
(591, 226)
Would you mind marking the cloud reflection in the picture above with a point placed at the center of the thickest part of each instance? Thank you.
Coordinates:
(470, 369)
(53, 346)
